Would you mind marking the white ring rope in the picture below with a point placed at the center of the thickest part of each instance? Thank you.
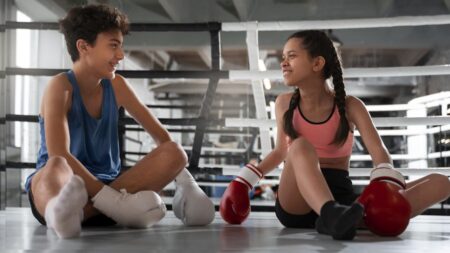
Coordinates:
(409, 132)
(354, 172)
(431, 70)
(433, 155)
(393, 108)
(339, 23)
(379, 122)
(356, 157)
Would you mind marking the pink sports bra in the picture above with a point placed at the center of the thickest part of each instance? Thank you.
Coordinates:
(321, 134)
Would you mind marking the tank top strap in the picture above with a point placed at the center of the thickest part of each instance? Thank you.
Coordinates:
(74, 83)
(108, 94)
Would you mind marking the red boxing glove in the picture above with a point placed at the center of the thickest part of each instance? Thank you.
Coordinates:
(387, 211)
(235, 202)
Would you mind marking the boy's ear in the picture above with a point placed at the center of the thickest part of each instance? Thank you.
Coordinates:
(81, 45)
(319, 63)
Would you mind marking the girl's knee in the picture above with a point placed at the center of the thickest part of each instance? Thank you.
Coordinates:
(440, 178)
(301, 146)
(440, 181)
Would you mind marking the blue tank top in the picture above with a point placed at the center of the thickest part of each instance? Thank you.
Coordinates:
(94, 142)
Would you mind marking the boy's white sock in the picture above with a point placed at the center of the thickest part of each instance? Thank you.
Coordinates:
(64, 213)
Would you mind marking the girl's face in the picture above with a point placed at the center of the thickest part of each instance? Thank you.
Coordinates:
(297, 65)
(105, 54)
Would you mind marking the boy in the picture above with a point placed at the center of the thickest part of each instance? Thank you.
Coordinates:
(79, 153)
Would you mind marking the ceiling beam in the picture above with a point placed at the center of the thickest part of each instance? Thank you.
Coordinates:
(447, 3)
(195, 11)
(385, 7)
(41, 10)
(176, 9)
(161, 58)
(205, 55)
(244, 8)
(138, 12)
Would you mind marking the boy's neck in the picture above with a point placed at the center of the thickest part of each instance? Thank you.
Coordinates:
(86, 79)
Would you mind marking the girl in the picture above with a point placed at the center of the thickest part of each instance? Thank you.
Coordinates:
(315, 138)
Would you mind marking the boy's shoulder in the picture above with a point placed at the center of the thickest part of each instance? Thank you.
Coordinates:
(59, 83)
(118, 80)
(119, 84)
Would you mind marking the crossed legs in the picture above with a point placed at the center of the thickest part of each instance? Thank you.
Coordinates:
(153, 172)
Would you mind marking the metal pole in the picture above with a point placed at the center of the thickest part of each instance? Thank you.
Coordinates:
(207, 100)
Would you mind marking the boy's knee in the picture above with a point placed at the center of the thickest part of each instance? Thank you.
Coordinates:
(58, 164)
(57, 160)
(176, 152)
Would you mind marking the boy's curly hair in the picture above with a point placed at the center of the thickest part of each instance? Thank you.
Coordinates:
(86, 22)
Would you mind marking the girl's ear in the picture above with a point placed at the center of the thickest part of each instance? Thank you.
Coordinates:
(318, 63)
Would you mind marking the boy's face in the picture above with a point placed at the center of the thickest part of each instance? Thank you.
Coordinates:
(106, 53)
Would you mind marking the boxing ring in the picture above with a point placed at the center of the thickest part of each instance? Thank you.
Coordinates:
(262, 231)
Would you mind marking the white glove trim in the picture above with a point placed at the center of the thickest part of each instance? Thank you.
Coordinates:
(386, 172)
(249, 175)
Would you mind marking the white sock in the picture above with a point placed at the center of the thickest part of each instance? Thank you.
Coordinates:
(64, 212)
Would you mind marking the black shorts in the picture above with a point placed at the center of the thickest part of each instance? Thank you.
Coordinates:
(342, 189)
(98, 220)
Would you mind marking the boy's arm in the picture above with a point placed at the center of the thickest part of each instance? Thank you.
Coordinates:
(126, 98)
(54, 112)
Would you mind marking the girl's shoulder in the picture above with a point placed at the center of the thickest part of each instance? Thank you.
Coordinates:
(354, 107)
(283, 100)
(352, 102)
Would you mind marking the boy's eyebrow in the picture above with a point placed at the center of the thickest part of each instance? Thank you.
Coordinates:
(116, 40)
